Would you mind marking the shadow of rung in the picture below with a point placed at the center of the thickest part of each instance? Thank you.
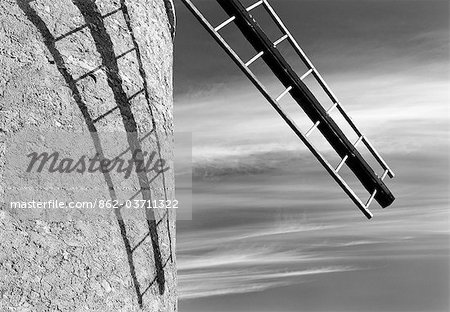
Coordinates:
(84, 26)
(101, 66)
(148, 234)
(140, 141)
(89, 73)
(70, 32)
(140, 242)
(125, 53)
(136, 94)
(148, 287)
(166, 214)
(112, 12)
(154, 279)
(105, 114)
(167, 261)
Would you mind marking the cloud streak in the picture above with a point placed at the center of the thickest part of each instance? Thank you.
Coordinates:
(233, 282)
(267, 215)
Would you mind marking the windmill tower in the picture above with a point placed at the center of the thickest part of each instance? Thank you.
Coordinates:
(93, 67)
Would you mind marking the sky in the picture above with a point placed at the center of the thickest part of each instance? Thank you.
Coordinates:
(271, 230)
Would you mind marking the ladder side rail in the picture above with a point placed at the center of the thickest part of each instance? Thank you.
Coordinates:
(366, 142)
(278, 108)
(299, 50)
(378, 157)
(303, 96)
(324, 85)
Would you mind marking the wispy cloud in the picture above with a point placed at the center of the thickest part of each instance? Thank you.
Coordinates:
(237, 282)
(382, 103)
(267, 215)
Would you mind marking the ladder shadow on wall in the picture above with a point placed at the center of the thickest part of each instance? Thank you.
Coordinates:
(104, 46)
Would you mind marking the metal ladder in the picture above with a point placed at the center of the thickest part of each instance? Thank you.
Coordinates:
(320, 117)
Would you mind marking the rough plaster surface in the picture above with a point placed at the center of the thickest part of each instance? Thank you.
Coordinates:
(87, 66)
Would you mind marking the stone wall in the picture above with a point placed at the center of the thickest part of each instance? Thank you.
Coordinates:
(88, 66)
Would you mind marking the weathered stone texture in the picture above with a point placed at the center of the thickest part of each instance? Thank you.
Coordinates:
(63, 64)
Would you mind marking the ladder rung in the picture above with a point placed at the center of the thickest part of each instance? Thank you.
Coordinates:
(378, 157)
(283, 93)
(371, 198)
(341, 163)
(307, 134)
(346, 188)
(228, 21)
(257, 56)
(306, 74)
(280, 40)
(257, 4)
(358, 141)
(332, 107)
(299, 50)
(385, 173)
